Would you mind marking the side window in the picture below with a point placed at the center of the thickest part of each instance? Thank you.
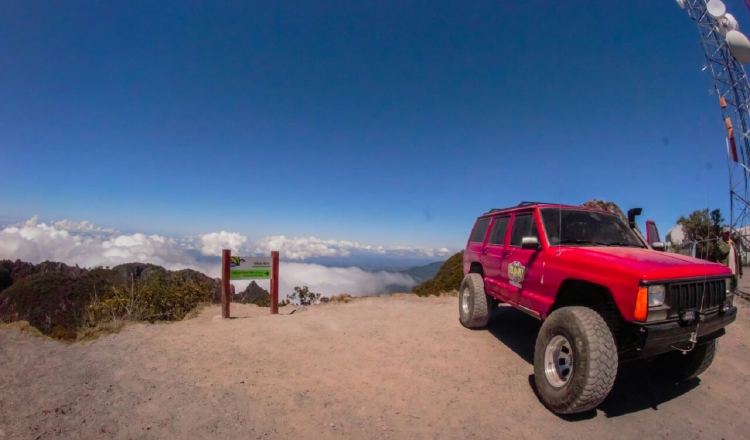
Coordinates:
(499, 228)
(523, 226)
(477, 236)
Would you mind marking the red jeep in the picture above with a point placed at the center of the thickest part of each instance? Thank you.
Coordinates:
(604, 293)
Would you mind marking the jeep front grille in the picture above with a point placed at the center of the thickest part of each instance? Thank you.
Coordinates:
(688, 296)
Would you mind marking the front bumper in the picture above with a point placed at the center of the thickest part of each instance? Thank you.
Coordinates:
(661, 338)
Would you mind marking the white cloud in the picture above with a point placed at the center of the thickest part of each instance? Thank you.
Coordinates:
(67, 225)
(213, 243)
(72, 243)
(84, 226)
(332, 280)
(419, 251)
(35, 243)
(301, 248)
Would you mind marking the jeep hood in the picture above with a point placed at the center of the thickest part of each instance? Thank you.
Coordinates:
(648, 264)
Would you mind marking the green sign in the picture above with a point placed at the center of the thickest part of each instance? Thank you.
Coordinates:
(250, 268)
(250, 274)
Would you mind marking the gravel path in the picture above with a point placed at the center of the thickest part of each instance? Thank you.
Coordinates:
(398, 367)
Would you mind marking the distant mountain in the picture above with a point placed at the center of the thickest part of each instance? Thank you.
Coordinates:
(368, 263)
(254, 294)
(424, 273)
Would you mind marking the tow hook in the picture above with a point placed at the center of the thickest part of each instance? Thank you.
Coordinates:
(693, 340)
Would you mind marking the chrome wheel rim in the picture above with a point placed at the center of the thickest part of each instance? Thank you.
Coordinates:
(558, 361)
(465, 301)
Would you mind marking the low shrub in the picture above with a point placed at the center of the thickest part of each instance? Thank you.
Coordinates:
(344, 297)
(304, 296)
(161, 296)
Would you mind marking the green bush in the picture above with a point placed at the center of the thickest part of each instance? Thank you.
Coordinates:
(447, 280)
(304, 296)
(161, 296)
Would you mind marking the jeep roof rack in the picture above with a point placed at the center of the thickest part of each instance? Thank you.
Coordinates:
(522, 205)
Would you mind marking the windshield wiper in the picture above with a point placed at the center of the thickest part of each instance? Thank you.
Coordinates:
(622, 243)
(598, 243)
(576, 241)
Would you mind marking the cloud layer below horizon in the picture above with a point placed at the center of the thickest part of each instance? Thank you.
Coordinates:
(85, 245)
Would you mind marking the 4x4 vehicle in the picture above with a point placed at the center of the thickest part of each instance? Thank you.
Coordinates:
(604, 295)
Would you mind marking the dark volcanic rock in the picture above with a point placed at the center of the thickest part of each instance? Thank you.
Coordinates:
(6, 271)
(11, 272)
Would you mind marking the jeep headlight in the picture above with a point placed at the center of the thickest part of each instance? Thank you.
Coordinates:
(729, 302)
(656, 295)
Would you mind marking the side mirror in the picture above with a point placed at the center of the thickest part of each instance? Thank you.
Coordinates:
(530, 243)
(658, 246)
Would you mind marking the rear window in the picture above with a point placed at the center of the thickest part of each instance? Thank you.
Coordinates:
(499, 228)
(480, 229)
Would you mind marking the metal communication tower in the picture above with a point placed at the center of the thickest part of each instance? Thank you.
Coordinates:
(732, 89)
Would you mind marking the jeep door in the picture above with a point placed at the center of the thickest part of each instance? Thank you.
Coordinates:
(522, 269)
(493, 254)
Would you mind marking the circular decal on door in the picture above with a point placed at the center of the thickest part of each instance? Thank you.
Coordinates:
(516, 273)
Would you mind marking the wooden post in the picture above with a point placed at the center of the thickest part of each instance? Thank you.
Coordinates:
(274, 282)
(225, 289)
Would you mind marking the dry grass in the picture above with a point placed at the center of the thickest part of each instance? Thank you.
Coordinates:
(450, 293)
(90, 333)
(101, 329)
(24, 326)
(197, 310)
(344, 297)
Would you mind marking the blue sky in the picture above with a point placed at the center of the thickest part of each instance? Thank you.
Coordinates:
(387, 123)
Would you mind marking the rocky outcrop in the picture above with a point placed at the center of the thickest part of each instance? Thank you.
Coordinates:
(253, 294)
(11, 272)
(611, 207)
(607, 206)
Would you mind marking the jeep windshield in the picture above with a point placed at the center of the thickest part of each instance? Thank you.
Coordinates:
(587, 228)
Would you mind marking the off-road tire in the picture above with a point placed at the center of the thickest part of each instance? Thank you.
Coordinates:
(594, 360)
(681, 367)
(474, 311)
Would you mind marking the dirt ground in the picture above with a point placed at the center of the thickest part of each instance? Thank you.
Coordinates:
(398, 367)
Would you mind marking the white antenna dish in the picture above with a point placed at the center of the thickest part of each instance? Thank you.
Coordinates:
(739, 46)
(716, 8)
(733, 25)
(727, 23)
(681, 3)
